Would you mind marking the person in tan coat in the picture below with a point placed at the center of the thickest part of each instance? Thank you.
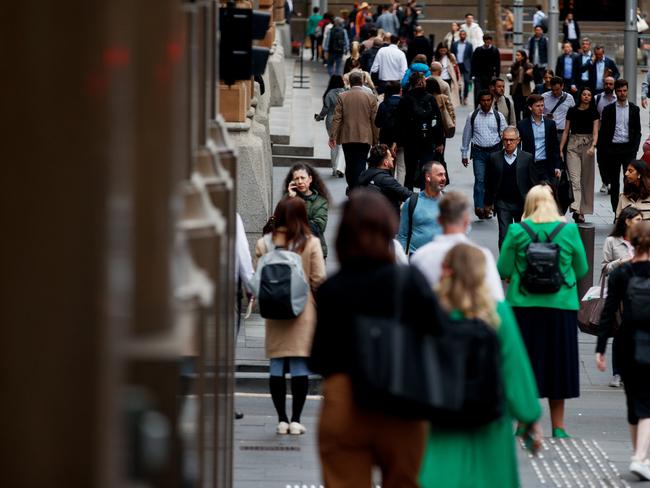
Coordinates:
(288, 342)
(353, 127)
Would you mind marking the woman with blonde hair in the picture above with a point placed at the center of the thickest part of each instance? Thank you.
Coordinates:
(545, 298)
(483, 457)
(354, 56)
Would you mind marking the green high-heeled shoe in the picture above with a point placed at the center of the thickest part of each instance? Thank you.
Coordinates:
(560, 433)
(521, 430)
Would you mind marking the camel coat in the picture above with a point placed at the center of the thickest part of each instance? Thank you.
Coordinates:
(293, 338)
(456, 85)
(354, 117)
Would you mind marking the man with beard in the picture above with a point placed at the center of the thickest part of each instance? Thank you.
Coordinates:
(619, 137)
(602, 100)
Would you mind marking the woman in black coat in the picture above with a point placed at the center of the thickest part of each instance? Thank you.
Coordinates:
(629, 285)
(353, 438)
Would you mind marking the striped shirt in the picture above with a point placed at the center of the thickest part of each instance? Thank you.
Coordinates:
(486, 131)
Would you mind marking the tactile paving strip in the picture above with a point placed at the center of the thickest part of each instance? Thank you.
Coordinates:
(579, 463)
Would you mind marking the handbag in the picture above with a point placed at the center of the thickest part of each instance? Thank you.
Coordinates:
(591, 308)
(404, 372)
(641, 24)
(448, 125)
(563, 191)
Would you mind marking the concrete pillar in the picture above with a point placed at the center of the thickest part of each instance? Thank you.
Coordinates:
(630, 48)
(553, 32)
(517, 35)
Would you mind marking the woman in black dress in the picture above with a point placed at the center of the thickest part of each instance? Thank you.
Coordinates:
(629, 285)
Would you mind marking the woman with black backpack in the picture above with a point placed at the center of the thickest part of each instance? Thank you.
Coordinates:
(543, 258)
(288, 340)
(483, 457)
(629, 286)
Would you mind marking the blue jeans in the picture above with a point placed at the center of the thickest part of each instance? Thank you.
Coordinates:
(334, 64)
(480, 157)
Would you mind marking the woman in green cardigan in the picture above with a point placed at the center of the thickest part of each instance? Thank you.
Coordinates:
(483, 457)
(303, 181)
(547, 321)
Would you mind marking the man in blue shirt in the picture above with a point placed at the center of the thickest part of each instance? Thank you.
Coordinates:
(568, 68)
(422, 226)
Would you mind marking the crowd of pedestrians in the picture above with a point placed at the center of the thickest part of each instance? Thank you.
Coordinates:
(408, 269)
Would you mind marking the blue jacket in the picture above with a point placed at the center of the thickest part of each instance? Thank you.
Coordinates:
(415, 68)
(467, 55)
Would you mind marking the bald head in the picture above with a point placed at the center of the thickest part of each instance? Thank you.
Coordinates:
(436, 68)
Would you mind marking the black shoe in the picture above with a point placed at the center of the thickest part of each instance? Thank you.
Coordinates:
(239, 415)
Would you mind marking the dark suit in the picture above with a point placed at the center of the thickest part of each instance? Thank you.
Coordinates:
(576, 64)
(507, 212)
(486, 64)
(565, 31)
(618, 155)
(465, 64)
(538, 71)
(541, 170)
(419, 45)
(609, 65)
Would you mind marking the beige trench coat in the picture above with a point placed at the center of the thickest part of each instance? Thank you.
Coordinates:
(293, 338)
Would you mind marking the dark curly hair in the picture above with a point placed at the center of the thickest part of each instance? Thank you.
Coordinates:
(317, 183)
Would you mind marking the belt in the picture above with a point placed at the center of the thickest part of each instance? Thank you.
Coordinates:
(491, 148)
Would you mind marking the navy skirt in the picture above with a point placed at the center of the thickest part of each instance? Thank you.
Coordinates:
(551, 339)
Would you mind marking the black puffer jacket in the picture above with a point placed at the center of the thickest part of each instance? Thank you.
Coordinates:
(381, 180)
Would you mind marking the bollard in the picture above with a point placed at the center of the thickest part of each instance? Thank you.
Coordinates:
(588, 235)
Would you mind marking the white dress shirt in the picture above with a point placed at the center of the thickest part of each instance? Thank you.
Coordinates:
(428, 259)
(510, 158)
(603, 100)
(486, 131)
(559, 116)
(390, 63)
(622, 127)
(571, 30)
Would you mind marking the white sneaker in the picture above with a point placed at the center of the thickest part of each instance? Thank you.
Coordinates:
(616, 381)
(282, 428)
(296, 429)
(641, 469)
(603, 189)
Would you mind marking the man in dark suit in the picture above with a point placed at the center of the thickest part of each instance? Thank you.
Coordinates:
(538, 53)
(463, 50)
(619, 137)
(599, 68)
(571, 31)
(568, 67)
(539, 138)
(419, 45)
(486, 64)
(507, 181)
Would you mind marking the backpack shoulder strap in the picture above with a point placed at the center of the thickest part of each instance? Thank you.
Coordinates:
(413, 201)
(496, 116)
(529, 231)
(556, 231)
(472, 119)
(509, 105)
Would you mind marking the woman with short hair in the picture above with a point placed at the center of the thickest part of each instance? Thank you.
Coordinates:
(353, 438)
(629, 286)
(288, 342)
(548, 321)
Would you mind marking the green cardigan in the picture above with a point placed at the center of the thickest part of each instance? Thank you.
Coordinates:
(573, 265)
(486, 457)
(317, 209)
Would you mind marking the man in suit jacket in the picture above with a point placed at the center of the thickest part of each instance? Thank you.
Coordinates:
(539, 138)
(353, 126)
(538, 53)
(507, 181)
(486, 64)
(571, 31)
(619, 137)
(568, 67)
(599, 68)
(463, 50)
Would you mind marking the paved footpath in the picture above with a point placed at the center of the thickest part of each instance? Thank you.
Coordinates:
(598, 454)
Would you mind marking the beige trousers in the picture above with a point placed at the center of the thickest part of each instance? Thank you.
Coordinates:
(581, 168)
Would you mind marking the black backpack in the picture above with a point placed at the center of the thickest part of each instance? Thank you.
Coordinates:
(422, 117)
(337, 40)
(636, 306)
(542, 273)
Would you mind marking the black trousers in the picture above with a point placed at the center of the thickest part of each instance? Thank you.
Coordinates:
(616, 157)
(507, 213)
(356, 154)
(467, 79)
(416, 154)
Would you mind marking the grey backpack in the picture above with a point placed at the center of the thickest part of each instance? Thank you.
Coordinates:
(279, 283)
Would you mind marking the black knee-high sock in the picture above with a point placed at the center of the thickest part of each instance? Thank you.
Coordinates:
(278, 394)
(299, 386)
